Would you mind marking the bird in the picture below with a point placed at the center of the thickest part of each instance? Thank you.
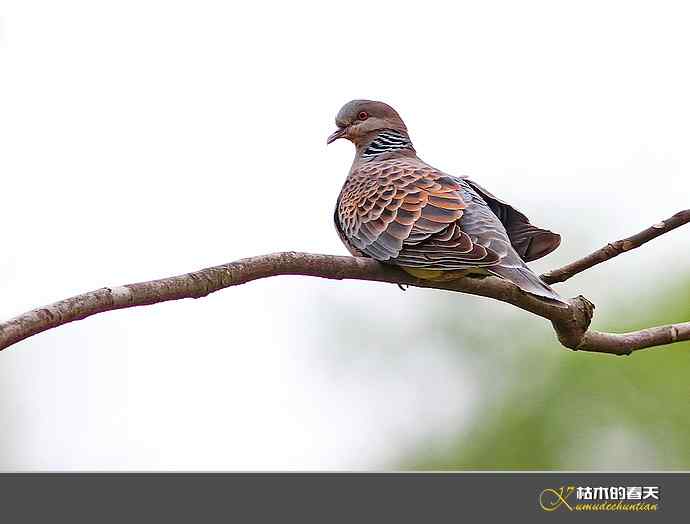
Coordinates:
(399, 210)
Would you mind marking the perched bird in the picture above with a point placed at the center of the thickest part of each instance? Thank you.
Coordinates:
(399, 210)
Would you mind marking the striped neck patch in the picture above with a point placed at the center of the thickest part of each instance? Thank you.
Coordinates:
(387, 141)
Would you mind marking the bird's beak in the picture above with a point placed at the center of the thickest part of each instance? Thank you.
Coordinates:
(340, 133)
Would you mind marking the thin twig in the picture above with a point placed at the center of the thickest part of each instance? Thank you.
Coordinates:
(616, 248)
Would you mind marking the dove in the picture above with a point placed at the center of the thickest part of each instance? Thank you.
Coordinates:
(399, 210)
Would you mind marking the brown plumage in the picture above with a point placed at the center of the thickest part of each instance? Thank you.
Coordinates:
(397, 209)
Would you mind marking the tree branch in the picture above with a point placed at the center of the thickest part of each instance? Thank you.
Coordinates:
(614, 249)
(570, 323)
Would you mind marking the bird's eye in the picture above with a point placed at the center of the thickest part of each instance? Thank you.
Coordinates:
(363, 115)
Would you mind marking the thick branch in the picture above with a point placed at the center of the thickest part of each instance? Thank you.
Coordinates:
(614, 249)
(570, 323)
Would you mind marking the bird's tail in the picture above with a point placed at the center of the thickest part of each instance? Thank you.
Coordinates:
(525, 279)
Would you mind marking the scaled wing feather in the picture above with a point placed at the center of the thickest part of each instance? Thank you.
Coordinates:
(410, 215)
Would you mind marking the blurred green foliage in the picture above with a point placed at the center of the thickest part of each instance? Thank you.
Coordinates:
(542, 408)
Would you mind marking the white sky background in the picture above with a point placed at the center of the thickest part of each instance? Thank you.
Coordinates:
(144, 139)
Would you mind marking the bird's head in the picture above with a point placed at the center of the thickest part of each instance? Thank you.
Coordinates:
(359, 119)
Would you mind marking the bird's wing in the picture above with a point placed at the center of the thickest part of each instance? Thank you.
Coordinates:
(412, 215)
(407, 213)
(530, 242)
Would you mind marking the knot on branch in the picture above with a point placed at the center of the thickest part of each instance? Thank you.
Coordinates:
(571, 330)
